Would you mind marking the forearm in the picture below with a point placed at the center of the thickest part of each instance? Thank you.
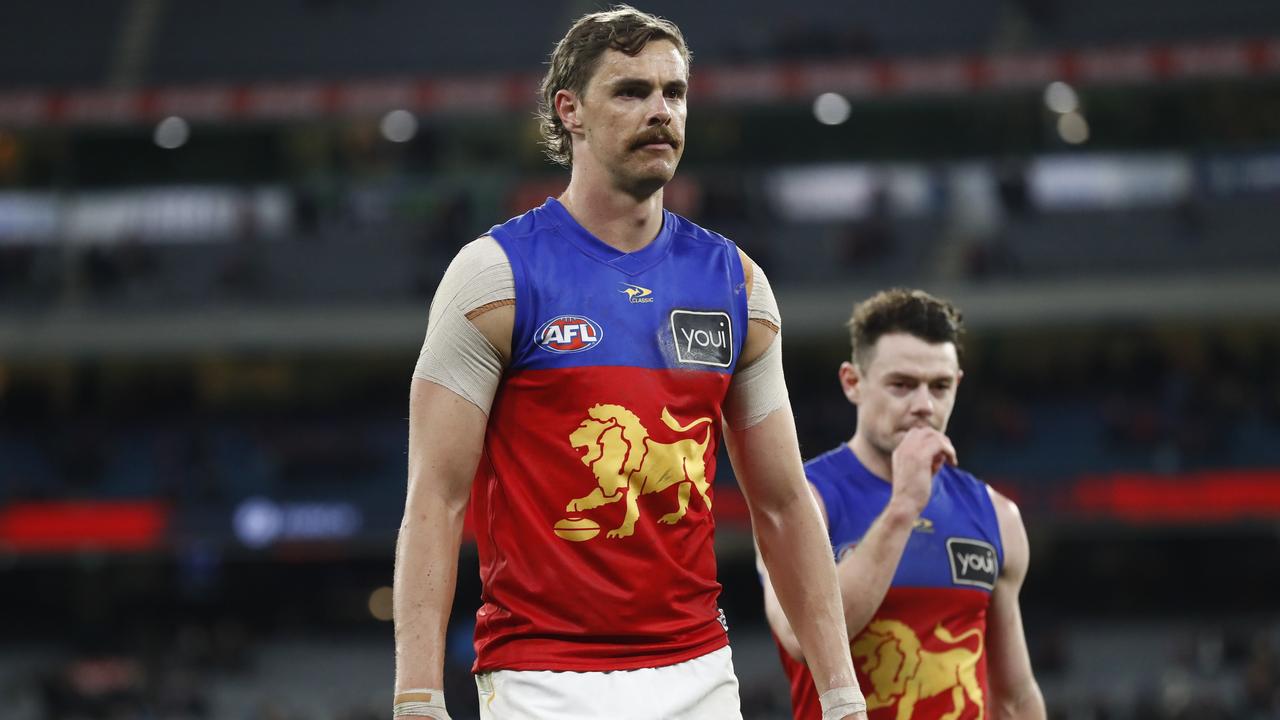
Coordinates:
(424, 581)
(867, 571)
(1023, 703)
(797, 555)
(445, 441)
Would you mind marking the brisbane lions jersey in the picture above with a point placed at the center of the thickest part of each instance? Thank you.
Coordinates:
(592, 502)
(923, 654)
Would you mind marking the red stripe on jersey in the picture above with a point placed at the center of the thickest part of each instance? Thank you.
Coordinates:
(588, 560)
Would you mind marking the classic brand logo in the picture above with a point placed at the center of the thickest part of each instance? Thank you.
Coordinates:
(635, 294)
(569, 334)
(973, 562)
(703, 338)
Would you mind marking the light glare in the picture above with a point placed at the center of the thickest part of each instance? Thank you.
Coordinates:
(831, 108)
(399, 126)
(172, 133)
(380, 606)
(1073, 128)
(1061, 98)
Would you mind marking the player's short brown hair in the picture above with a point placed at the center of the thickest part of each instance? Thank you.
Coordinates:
(576, 56)
(914, 312)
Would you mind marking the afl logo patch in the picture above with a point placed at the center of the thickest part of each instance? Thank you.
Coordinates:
(569, 334)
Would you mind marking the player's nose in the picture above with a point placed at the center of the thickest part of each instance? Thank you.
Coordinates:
(921, 402)
(660, 110)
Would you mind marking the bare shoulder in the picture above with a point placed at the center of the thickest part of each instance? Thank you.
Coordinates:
(1013, 535)
(1006, 509)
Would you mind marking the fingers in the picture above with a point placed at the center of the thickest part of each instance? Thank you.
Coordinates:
(949, 450)
(933, 444)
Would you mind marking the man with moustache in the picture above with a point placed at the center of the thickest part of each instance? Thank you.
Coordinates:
(578, 362)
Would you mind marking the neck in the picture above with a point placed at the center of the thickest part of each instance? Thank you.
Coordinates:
(620, 220)
(879, 463)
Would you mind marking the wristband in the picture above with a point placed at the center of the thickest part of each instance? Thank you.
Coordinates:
(842, 701)
(420, 702)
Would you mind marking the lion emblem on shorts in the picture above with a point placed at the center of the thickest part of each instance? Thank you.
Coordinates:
(627, 463)
(902, 671)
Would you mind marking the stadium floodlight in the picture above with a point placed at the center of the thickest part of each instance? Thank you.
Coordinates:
(831, 108)
(172, 133)
(399, 126)
(1061, 98)
(1073, 128)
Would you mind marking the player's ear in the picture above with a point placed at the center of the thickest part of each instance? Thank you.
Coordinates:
(568, 108)
(851, 381)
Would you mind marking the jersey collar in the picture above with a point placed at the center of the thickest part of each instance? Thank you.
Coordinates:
(632, 263)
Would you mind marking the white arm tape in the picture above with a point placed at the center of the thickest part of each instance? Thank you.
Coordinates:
(761, 304)
(758, 387)
(839, 703)
(455, 354)
(421, 703)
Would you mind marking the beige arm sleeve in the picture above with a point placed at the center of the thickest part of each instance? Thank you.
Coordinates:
(761, 304)
(455, 354)
(758, 387)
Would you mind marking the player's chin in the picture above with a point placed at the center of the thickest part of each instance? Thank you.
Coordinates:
(652, 177)
(663, 157)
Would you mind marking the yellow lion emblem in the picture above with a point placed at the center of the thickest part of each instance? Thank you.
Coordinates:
(902, 671)
(627, 463)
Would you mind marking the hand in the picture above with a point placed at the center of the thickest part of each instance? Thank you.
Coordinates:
(915, 461)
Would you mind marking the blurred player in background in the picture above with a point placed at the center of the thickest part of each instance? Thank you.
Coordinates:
(930, 560)
(578, 363)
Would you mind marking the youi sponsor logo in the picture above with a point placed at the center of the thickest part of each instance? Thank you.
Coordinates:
(703, 338)
(973, 562)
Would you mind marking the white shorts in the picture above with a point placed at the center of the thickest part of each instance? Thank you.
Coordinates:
(703, 688)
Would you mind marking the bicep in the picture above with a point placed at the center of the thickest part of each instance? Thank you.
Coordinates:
(446, 439)
(766, 460)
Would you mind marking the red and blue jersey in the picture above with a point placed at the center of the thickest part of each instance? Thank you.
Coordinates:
(592, 502)
(923, 654)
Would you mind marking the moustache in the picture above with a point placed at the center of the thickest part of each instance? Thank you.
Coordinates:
(654, 136)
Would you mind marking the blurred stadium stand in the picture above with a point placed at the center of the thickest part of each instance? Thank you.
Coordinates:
(207, 326)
